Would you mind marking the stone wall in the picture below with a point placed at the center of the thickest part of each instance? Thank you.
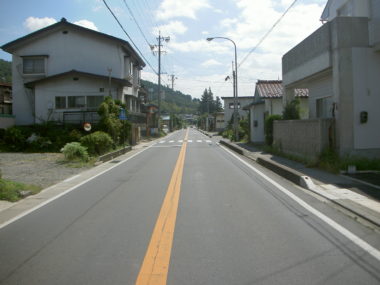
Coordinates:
(303, 138)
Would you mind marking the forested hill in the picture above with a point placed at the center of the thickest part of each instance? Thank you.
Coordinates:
(171, 101)
(5, 71)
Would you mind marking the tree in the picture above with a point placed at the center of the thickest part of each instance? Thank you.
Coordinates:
(207, 103)
(219, 106)
(110, 122)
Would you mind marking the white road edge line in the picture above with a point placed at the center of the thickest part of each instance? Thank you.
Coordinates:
(352, 237)
(67, 191)
(71, 178)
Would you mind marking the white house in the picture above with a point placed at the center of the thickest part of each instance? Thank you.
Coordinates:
(340, 65)
(62, 73)
(229, 107)
(268, 101)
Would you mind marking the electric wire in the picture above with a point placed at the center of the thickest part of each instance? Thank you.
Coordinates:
(121, 26)
(137, 24)
(267, 33)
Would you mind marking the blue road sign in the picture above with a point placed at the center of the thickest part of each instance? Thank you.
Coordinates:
(122, 115)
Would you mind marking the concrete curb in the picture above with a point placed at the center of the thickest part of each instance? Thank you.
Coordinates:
(284, 171)
(112, 155)
(301, 180)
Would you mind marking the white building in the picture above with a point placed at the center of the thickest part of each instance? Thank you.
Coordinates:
(229, 107)
(62, 73)
(340, 66)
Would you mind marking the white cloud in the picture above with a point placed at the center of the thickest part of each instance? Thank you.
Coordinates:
(33, 23)
(200, 46)
(87, 24)
(171, 29)
(180, 8)
(205, 33)
(228, 22)
(210, 62)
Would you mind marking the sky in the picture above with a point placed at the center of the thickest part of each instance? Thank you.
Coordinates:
(195, 62)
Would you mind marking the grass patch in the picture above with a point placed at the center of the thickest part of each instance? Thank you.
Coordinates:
(77, 163)
(11, 190)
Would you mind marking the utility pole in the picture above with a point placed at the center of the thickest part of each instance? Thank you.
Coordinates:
(166, 39)
(173, 78)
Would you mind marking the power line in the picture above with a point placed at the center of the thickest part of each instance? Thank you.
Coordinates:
(267, 33)
(121, 26)
(134, 19)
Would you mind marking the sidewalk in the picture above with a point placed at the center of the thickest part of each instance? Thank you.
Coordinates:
(356, 196)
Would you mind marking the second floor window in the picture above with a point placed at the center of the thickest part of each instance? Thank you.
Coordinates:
(33, 65)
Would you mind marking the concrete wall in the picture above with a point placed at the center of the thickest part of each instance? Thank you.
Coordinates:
(6, 121)
(303, 138)
(352, 8)
(366, 98)
(309, 57)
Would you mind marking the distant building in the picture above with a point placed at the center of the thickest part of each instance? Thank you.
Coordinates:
(268, 101)
(229, 107)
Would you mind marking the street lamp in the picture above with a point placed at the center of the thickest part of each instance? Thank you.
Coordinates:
(235, 87)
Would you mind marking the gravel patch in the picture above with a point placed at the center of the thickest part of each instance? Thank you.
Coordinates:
(42, 169)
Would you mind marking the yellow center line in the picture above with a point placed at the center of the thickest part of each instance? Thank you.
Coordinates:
(155, 267)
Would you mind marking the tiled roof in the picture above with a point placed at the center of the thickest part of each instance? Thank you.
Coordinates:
(302, 93)
(272, 89)
(269, 89)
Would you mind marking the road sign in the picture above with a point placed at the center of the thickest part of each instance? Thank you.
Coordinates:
(122, 115)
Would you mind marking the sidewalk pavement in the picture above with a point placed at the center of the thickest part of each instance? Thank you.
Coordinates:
(358, 197)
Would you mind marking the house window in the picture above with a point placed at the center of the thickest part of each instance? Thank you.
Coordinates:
(76, 102)
(33, 65)
(60, 102)
(94, 101)
(231, 105)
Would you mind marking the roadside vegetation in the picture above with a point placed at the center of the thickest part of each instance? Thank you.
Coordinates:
(13, 191)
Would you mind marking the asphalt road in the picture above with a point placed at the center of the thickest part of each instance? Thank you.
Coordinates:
(231, 225)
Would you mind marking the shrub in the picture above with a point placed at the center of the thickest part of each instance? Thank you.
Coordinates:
(97, 143)
(15, 139)
(292, 110)
(269, 128)
(75, 135)
(75, 151)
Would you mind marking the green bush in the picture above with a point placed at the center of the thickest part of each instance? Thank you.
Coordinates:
(75, 151)
(268, 128)
(15, 139)
(97, 143)
(292, 110)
